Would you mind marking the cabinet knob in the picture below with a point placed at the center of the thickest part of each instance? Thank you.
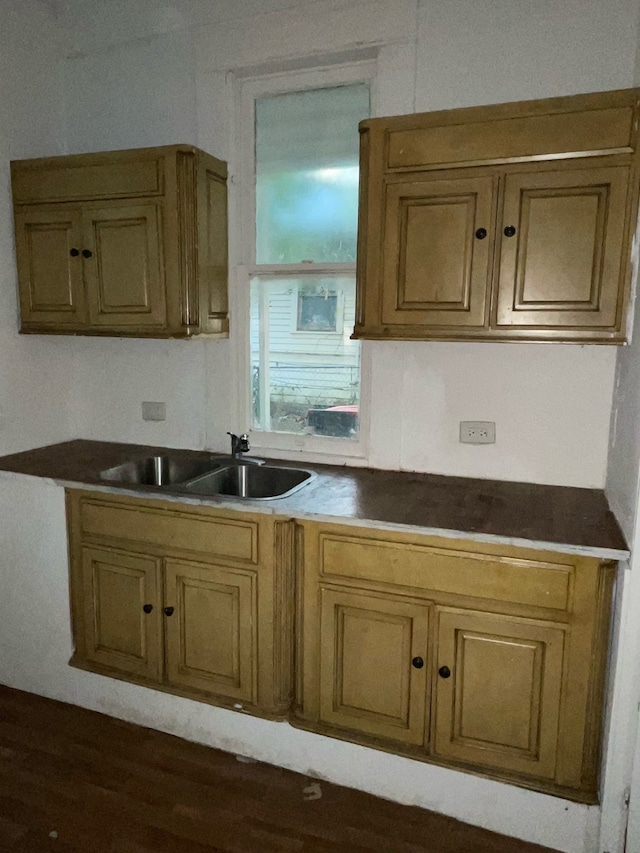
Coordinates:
(510, 230)
(481, 233)
(167, 611)
(74, 253)
(87, 253)
(444, 672)
(418, 663)
(147, 608)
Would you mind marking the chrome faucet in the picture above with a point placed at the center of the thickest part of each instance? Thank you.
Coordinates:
(239, 444)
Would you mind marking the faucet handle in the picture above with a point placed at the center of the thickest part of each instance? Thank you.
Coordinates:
(239, 443)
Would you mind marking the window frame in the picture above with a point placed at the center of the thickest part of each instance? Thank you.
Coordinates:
(247, 90)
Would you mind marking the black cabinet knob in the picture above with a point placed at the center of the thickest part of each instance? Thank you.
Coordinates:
(147, 608)
(509, 231)
(87, 253)
(74, 253)
(418, 663)
(481, 233)
(444, 672)
(168, 611)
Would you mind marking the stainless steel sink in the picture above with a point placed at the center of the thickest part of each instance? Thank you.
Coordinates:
(258, 482)
(159, 470)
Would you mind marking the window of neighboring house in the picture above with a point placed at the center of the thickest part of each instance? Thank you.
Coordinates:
(317, 308)
(305, 369)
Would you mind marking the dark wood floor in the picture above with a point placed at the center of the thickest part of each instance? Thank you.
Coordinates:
(74, 780)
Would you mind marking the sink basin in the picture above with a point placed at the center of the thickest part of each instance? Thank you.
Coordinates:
(258, 482)
(159, 470)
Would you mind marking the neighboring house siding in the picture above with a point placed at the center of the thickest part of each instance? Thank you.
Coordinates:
(311, 369)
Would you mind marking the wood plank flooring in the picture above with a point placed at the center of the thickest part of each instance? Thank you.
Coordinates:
(72, 780)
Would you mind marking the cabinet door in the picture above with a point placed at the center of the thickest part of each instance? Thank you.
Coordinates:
(437, 252)
(48, 244)
(123, 265)
(210, 629)
(122, 611)
(373, 665)
(561, 267)
(498, 691)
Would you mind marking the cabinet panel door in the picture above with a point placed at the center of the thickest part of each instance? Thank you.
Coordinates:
(50, 277)
(124, 273)
(562, 266)
(211, 634)
(435, 267)
(499, 707)
(119, 633)
(367, 680)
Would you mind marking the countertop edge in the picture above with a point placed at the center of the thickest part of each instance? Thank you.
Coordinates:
(270, 509)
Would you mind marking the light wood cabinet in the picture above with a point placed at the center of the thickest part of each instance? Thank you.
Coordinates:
(483, 657)
(561, 265)
(211, 633)
(184, 599)
(511, 222)
(120, 610)
(471, 655)
(498, 691)
(127, 243)
(435, 268)
(372, 673)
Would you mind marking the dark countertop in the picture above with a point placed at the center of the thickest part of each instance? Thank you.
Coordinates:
(561, 518)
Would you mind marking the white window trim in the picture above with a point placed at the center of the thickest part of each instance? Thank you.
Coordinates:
(247, 89)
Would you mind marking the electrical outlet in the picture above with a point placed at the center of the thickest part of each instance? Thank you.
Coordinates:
(154, 411)
(477, 432)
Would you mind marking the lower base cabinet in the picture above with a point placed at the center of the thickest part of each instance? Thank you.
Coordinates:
(184, 598)
(475, 656)
(471, 655)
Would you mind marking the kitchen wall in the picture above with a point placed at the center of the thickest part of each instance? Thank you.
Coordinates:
(36, 400)
(157, 71)
(160, 74)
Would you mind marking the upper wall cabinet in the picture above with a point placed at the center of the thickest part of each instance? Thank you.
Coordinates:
(509, 222)
(127, 243)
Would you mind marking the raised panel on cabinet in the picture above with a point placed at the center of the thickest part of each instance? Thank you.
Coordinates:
(124, 270)
(367, 680)
(540, 580)
(211, 630)
(437, 252)
(122, 611)
(483, 138)
(230, 536)
(89, 176)
(498, 691)
(48, 244)
(562, 266)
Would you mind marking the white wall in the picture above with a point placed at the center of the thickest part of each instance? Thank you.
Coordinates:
(623, 469)
(36, 402)
(622, 764)
(156, 81)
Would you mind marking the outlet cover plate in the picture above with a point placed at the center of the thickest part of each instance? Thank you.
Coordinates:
(154, 411)
(478, 432)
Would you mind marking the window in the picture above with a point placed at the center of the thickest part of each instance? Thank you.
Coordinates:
(305, 370)
(317, 309)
